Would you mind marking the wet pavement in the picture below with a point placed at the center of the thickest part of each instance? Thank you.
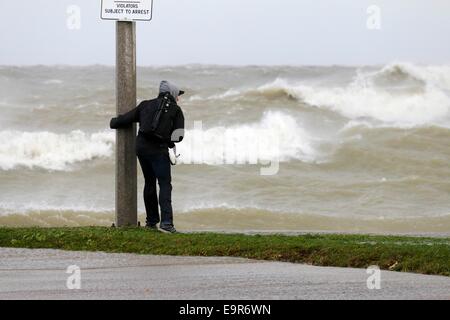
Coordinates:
(42, 274)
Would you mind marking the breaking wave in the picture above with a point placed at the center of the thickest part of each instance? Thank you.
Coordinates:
(401, 95)
(277, 136)
(414, 99)
(52, 151)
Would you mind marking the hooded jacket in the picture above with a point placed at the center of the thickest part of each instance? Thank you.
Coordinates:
(143, 114)
(169, 87)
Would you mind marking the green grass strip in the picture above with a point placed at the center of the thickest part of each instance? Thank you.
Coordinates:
(396, 253)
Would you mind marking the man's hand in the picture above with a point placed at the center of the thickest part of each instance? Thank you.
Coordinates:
(113, 123)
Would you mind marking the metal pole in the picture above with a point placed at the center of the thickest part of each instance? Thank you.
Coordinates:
(126, 163)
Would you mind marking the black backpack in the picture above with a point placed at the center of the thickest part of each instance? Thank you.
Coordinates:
(161, 124)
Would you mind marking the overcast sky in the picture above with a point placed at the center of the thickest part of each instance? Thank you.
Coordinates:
(238, 32)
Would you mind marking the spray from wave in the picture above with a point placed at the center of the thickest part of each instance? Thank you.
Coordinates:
(415, 99)
(400, 95)
(277, 136)
(52, 151)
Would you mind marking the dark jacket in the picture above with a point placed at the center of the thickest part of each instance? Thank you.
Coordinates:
(144, 114)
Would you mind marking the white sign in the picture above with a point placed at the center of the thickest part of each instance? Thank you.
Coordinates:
(127, 10)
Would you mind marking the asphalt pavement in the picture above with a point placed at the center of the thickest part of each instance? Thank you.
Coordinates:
(55, 274)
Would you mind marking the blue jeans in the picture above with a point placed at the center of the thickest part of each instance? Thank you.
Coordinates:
(157, 167)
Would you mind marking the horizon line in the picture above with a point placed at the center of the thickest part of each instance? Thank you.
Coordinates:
(225, 65)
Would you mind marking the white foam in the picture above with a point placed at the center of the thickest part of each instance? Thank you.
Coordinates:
(277, 136)
(278, 87)
(52, 151)
(231, 93)
(364, 99)
(438, 76)
(399, 94)
(8, 208)
(355, 102)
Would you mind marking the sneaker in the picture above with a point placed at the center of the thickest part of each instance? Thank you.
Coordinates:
(168, 229)
(151, 227)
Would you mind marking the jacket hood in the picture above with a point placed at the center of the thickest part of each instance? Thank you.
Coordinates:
(169, 87)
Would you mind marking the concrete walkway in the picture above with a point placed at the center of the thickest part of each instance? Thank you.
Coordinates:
(41, 274)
